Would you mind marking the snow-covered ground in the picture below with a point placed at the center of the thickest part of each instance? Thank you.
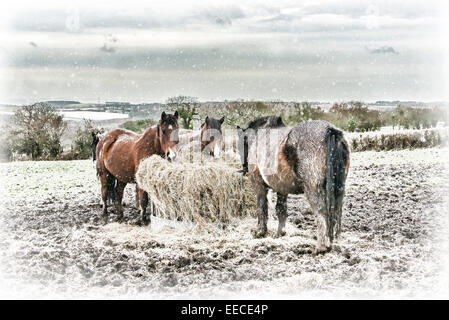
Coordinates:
(394, 243)
(80, 115)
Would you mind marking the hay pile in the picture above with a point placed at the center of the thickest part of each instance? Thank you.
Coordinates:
(191, 152)
(197, 187)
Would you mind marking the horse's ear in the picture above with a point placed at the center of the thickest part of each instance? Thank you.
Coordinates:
(176, 114)
(222, 120)
(206, 121)
(238, 128)
(163, 116)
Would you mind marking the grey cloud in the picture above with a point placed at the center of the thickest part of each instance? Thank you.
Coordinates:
(57, 20)
(107, 48)
(383, 50)
(281, 17)
(296, 24)
(299, 51)
(242, 56)
(400, 9)
(223, 15)
(255, 18)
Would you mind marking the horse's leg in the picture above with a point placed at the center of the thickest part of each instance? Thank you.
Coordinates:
(120, 188)
(137, 196)
(143, 197)
(281, 211)
(104, 196)
(317, 201)
(262, 212)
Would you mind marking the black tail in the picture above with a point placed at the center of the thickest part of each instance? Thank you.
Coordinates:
(112, 183)
(95, 140)
(336, 165)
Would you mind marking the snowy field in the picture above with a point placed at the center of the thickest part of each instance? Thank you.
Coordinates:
(80, 115)
(394, 242)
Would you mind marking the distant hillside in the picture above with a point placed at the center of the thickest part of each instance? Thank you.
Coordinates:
(62, 103)
(398, 102)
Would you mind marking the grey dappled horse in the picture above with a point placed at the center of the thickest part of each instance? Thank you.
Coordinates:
(311, 158)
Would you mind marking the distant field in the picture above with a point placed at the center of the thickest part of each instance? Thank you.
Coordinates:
(93, 115)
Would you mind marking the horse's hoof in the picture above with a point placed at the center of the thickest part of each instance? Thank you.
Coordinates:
(144, 222)
(257, 234)
(321, 250)
(104, 219)
(280, 234)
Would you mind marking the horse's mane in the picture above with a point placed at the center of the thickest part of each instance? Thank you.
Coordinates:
(213, 124)
(266, 122)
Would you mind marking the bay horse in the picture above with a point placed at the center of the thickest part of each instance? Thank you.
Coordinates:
(119, 153)
(311, 158)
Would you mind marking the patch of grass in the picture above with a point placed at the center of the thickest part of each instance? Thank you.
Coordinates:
(138, 126)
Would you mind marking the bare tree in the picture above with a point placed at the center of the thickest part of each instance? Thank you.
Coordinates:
(186, 107)
(37, 131)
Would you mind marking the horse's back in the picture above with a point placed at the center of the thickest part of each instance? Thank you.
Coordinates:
(309, 142)
(123, 133)
(113, 136)
(115, 153)
(312, 130)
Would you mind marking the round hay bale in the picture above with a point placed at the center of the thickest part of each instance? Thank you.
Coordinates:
(207, 190)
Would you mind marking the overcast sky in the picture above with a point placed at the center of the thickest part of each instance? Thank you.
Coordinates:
(215, 50)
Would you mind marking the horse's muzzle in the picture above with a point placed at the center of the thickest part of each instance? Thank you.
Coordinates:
(217, 152)
(171, 154)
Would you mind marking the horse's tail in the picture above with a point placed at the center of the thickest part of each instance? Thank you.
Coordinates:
(337, 164)
(111, 187)
(95, 140)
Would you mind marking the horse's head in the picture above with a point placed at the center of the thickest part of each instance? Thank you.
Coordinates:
(167, 133)
(211, 136)
(248, 135)
(95, 140)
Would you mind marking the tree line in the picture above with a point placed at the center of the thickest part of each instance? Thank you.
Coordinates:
(36, 130)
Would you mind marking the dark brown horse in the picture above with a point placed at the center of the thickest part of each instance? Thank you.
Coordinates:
(119, 153)
(211, 136)
(311, 157)
(96, 135)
